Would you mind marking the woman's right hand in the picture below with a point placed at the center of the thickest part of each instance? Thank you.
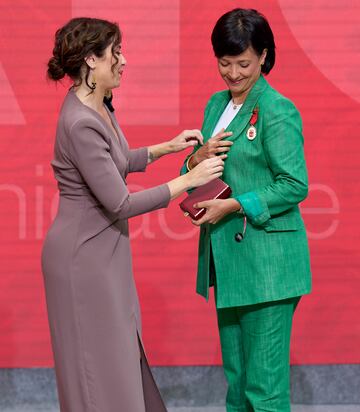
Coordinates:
(206, 171)
(215, 146)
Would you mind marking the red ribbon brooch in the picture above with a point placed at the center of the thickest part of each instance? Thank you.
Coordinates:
(251, 133)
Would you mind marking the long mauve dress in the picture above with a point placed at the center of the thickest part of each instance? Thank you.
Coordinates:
(91, 296)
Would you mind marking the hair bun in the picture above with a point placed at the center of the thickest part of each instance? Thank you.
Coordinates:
(55, 69)
(80, 37)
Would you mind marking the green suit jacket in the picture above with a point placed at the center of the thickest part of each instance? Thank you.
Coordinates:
(268, 177)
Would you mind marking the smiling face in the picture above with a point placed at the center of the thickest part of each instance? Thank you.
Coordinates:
(108, 69)
(241, 72)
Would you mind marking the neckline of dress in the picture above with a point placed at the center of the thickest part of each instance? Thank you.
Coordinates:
(98, 115)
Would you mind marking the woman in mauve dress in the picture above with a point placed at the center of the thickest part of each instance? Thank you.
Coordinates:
(91, 297)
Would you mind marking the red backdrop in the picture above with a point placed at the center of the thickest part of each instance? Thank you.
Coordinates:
(170, 75)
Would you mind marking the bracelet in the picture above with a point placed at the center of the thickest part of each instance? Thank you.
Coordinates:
(241, 210)
(187, 162)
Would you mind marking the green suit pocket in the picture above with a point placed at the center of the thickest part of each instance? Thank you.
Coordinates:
(284, 223)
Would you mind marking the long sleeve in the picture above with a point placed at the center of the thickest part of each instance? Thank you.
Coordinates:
(91, 156)
(283, 148)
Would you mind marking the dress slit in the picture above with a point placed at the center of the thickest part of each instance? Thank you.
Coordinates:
(152, 397)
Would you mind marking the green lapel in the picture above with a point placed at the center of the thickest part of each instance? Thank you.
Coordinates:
(218, 104)
(238, 124)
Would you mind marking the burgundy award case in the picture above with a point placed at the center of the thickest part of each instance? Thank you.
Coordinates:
(216, 189)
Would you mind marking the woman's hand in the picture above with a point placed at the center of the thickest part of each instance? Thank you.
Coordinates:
(187, 138)
(216, 210)
(213, 147)
(205, 171)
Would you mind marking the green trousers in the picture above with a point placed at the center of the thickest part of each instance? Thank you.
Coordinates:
(255, 344)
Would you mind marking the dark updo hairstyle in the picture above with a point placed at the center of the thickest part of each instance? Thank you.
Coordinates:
(78, 39)
(239, 29)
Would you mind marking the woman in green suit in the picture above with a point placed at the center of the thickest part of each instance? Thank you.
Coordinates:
(259, 276)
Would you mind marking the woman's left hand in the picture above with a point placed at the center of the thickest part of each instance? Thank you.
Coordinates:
(216, 210)
(187, 138)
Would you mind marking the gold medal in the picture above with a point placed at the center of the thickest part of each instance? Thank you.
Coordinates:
(251, 133)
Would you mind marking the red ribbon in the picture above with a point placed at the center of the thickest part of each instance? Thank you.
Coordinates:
(254, 117)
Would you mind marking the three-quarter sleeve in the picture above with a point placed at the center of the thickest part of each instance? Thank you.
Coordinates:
(90, 154)
(138, 159)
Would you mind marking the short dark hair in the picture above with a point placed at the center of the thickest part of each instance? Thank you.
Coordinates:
(76, 40)
(239, 29)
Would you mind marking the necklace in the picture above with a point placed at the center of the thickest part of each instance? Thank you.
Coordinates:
(235, 106)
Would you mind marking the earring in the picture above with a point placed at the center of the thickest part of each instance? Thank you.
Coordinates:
(93, 84)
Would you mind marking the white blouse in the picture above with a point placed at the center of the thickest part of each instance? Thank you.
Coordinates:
(227, 116)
